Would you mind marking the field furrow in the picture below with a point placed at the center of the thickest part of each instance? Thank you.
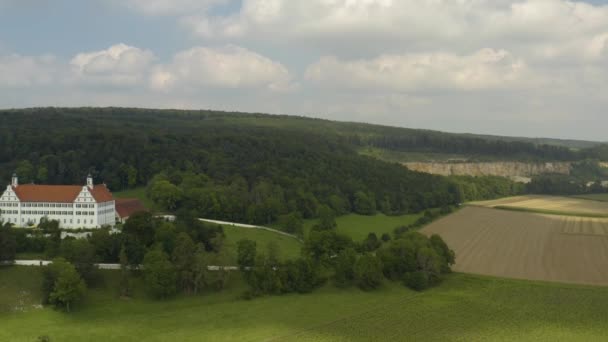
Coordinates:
(527, 245)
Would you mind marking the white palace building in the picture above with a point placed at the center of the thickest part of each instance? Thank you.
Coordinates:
(74, 206)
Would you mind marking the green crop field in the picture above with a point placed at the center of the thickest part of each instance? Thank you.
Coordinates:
(463, 308)
(359, 226)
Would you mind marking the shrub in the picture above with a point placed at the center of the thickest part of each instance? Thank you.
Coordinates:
(368, 272)
(417, 280)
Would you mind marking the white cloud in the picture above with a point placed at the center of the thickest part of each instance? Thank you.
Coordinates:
(535, 28)
(485, 69)
(445, 64)
(119, 65)
(171, 7)
(227, 67)
(18, 71)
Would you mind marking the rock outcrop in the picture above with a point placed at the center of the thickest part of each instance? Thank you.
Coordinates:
(517, 171)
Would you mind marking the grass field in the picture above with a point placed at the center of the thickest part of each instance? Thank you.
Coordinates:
(464, 308)
(139, 193)
(550, 205)
(359, 226)
(527, 246)
(594, 197)
(289, 247)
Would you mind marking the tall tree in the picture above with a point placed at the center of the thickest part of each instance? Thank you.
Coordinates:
(81, 253)
(8, 243)
(65, 284)
(125, 289)
(344, 274)
(159, 274)
(327, 219)
(184, 259)
(247, 252)
(368, 272)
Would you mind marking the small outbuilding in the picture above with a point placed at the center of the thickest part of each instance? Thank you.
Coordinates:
(125, 207)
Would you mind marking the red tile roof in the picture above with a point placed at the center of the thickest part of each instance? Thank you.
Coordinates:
(59, 193)
(101, 193)
(125, 207)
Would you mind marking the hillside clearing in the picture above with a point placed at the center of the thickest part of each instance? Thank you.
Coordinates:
(289, 248)
(359, 226)
(527, 246)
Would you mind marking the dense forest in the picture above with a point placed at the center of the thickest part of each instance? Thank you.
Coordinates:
(245, 167)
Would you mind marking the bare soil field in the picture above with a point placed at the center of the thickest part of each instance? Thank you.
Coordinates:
(527, 245)
(549, 203)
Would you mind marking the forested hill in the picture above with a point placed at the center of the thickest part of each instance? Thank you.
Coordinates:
(250, 167)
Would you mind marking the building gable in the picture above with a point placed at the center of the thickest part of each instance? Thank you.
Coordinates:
(84, 196)
(9, 195)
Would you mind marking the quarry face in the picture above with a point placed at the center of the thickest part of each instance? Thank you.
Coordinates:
(517, 171)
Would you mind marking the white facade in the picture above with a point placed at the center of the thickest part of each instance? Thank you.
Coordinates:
(82, 212)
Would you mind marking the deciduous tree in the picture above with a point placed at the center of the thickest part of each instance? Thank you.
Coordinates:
(159, 274)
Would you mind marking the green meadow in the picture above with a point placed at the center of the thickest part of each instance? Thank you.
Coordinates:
(289, 248)
(355, 226)
(359, 226)
(463, 308)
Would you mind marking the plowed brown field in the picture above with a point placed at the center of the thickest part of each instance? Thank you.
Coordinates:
(527, 245)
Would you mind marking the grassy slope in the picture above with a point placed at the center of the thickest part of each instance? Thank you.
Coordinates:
(358, 226)
(464, 308)
(289, 247)
(19, 289)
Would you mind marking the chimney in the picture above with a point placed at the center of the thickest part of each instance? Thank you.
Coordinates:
(14, 181)
(90, 181)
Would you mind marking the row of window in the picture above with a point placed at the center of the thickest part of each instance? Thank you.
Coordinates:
(30, 212)
(45, 205)
(65, 221)
(60, 213)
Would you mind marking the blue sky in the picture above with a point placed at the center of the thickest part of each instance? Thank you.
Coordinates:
(526, 67)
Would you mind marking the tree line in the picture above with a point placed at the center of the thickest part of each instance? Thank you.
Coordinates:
(586, 177)
(409, 257)
(174, 257)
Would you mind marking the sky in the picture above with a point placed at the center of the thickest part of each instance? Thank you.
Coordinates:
(534, 68)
